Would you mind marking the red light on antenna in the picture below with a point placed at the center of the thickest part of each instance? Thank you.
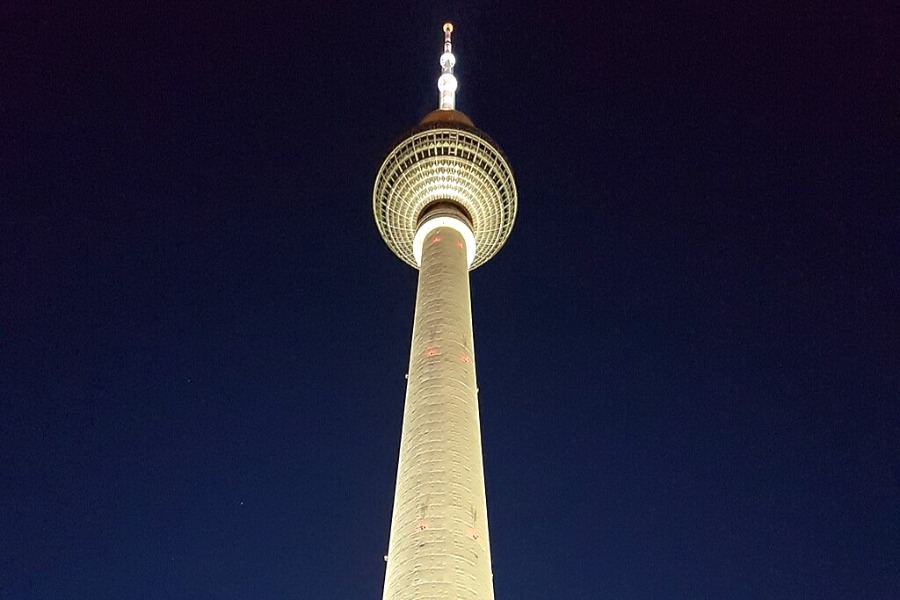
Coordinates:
(432, 352)
(464, 358)
(436, 239)
(459, 245)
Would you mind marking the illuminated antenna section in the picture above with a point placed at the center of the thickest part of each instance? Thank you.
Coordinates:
(447, 82)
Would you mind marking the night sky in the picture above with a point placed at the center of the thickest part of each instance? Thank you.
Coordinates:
(688, 351)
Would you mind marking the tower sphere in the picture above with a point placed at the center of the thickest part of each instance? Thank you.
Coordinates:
(445, 159)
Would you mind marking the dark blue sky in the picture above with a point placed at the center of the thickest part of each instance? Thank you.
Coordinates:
(688, 350)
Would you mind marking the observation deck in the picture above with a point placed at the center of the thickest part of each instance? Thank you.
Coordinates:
(445, 159)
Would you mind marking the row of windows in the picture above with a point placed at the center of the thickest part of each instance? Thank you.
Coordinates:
(436, 144)
(500, 183)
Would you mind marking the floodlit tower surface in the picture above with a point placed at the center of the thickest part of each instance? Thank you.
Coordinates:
(444, 202)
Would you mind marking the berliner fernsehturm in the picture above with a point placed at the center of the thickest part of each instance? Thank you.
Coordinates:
(445, 202)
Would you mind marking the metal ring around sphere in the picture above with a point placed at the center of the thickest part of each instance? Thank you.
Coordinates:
(445, 163)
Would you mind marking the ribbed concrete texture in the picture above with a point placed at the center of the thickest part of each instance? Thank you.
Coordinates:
(439, 548)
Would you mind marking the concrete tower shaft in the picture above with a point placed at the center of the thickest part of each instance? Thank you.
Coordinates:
(439, 547)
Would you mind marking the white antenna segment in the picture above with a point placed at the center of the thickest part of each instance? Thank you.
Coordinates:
(447, 83)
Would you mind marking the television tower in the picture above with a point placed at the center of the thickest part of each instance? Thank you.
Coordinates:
(445, 202)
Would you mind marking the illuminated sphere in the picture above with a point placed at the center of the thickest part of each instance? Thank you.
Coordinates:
(447, 83)
(445, 159)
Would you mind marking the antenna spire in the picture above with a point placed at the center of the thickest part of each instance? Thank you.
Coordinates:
(447, 82)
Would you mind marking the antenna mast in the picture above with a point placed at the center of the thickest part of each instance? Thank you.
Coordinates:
(447, 83)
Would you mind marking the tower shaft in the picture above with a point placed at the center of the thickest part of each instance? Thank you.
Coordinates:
(439, 547)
